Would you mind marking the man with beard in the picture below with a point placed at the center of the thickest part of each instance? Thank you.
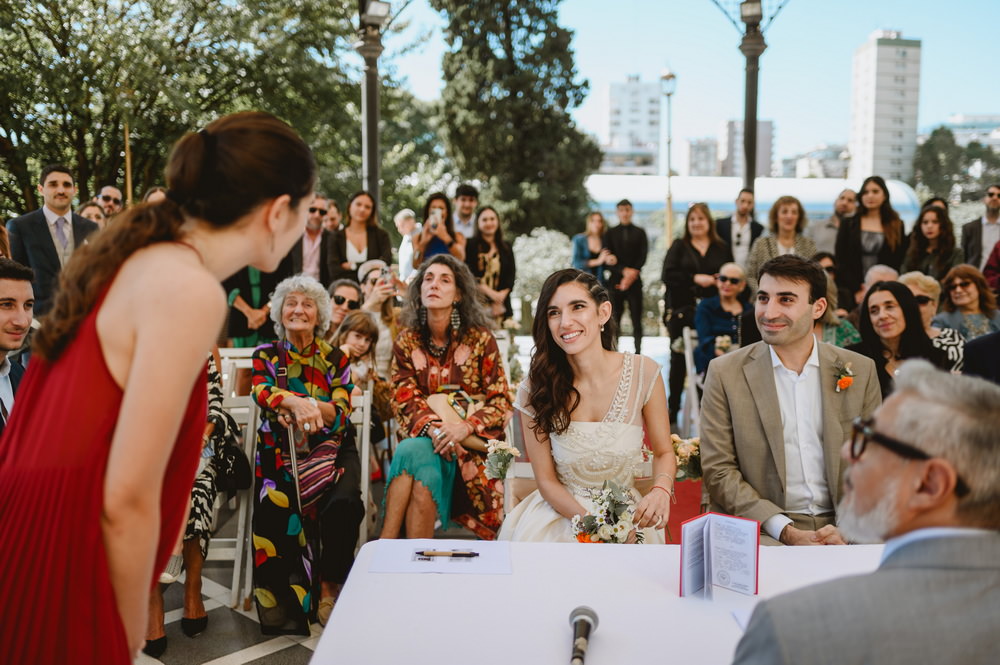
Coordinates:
(44, 239)
(775, 413)
(824, 233)
(923, 475)
(311, 256)
(980, 236)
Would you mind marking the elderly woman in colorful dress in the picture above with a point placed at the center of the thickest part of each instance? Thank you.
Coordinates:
(437, 473)
(303, 542)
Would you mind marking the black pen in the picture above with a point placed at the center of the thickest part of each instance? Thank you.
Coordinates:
(453, 553)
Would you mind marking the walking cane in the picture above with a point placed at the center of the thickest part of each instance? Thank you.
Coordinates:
(295, 466)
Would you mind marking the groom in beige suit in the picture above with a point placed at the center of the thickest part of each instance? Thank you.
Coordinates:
(773, 420)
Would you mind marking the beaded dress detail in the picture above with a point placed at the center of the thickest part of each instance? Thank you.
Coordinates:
(587, 454)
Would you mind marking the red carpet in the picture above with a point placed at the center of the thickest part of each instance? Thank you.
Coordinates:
(688, 505)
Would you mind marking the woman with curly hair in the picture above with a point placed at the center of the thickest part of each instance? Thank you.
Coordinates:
(581, 428)
(892, 331)
(788, 220)
(438, 472)
(933, 250)
(971, 307)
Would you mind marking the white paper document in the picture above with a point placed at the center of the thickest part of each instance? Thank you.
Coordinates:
(719, 550)
(456, 557)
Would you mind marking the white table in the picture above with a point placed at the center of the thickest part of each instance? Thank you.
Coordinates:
(523, 618)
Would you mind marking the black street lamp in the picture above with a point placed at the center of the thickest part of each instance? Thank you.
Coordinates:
(374, 14)
(752, 47)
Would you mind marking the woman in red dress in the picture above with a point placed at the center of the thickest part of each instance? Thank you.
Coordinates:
(98, 459)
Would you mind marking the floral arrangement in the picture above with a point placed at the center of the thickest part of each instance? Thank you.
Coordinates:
(688, 452)
(611, 520)
(723, 343)
(499, 455)
(845, 376)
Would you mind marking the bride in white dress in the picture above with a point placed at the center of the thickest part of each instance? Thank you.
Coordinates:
(583, 407)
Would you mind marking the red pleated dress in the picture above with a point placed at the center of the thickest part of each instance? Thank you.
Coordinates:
(57, 604)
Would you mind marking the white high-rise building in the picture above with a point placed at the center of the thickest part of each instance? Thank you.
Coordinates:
(703, 157)
(884, 96)
(634, 128)
(731, 157)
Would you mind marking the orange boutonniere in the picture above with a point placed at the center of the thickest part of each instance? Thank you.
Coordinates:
(845, 377)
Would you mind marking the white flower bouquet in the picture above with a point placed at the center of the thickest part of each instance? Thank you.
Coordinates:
(499, 455)
(611, 520)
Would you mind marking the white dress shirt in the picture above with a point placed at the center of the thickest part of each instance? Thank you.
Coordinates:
(800, 398)
(51, 217)
(6, 388)
(991, 236)
(740, 241)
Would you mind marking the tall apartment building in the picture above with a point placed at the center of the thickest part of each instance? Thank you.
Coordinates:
(731, 159)
(634, 128)
(884, 96)
(703, 157)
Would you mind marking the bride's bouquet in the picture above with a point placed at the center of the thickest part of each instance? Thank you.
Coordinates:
(499, 455)
(611, 520)
(688, 452)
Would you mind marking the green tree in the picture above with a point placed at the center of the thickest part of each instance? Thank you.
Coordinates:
(511, 83)
(939, 163)
(74, 72)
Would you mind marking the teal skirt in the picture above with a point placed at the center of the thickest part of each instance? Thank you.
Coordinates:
(416, 457)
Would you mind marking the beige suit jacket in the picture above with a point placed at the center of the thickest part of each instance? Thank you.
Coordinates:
(742, 443)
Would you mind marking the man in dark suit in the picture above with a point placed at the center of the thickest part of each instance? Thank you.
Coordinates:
(982, 357)
(629, 245)
(740, 230)
(923, 476)
(980, 235)
(16, 303)
(312, 254)
(44, 239)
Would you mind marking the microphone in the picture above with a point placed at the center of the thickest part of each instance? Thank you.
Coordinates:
(583, 620)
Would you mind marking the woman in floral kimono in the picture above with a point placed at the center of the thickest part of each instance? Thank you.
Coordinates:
(445, 347)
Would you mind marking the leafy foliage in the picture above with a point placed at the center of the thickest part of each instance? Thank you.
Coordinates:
(511, 82)
(941, 167)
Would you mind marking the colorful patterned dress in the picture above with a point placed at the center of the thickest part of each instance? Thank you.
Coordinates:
(286, 543)
(473, 364)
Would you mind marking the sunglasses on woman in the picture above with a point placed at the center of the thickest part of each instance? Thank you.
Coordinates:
(351, 304)
(923, 300)
(731, 280)
(959, 285)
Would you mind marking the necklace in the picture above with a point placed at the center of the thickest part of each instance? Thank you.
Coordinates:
(437, 351)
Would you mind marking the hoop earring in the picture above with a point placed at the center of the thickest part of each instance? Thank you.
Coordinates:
(422, 316)
(456, 318)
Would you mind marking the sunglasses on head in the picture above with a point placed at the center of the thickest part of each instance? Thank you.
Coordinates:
(108, 197)
(959, 285)
(731, 280)
(321, 211)
(351, 304)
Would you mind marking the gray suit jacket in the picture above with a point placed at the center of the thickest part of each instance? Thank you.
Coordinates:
(972, 242)
(742, 444)
(931, 601)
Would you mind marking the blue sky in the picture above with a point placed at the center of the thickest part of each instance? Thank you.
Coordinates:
(805, 72)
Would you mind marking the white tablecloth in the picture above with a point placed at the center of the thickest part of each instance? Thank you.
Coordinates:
(523, 618)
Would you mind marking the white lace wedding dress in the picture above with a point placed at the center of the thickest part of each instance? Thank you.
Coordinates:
(587, 454)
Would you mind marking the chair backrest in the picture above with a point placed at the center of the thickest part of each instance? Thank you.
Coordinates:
(692, 404)
(361, 418)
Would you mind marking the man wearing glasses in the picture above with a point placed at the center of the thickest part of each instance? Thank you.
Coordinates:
(312, 254)
(110, 199)
(775, 413)
(44, 239)
(924, 476)
(980, 236)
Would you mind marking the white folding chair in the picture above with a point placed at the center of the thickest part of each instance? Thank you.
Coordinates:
(692, 403)
(361, 417)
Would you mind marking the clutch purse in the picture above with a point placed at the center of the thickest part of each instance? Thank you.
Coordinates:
(454, 407)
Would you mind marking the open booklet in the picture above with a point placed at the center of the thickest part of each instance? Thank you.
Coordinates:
(719, 550)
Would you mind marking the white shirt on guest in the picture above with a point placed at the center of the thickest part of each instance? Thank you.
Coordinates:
(465, 228)
(740, 240)
(51, 216)
(991, 236)
(800, 398)
(6, 387)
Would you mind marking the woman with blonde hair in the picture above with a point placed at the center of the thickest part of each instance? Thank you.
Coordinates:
(788, 220)
(927, 291)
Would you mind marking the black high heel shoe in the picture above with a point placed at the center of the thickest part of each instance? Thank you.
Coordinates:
(194, 627)
(155, 648)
